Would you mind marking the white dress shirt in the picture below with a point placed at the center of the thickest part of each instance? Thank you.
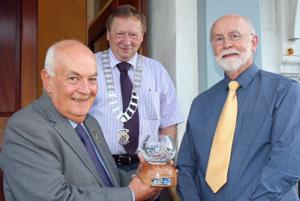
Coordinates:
(157, 106)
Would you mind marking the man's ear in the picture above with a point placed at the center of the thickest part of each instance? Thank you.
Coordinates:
(46, 79)
(254, 42)
(107, 35)
(142, 37)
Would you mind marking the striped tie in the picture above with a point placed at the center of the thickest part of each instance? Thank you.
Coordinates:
(93, 155)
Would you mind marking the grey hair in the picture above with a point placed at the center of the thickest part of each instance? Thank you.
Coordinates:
(49, 61)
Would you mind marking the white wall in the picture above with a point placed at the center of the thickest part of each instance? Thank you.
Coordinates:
(270, 36)
(172, 40)
(289, 64)
(278, 24)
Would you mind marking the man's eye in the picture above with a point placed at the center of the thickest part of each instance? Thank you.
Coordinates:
(219, 38)
(93, 80)
(119, 34)
(73, 79)
(133, 35)
(235, 36)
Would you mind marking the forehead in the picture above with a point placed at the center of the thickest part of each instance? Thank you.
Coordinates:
(229, 24)
(129, 23)
(80, 62)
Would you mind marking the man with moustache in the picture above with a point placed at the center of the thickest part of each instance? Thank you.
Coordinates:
(262, 115)
(137, 96)
(53, 150)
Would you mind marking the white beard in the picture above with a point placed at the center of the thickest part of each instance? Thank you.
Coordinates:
(233, 64)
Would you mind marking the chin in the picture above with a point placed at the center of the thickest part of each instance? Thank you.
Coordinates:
(80, 113)
(125, 57)
(229, 65)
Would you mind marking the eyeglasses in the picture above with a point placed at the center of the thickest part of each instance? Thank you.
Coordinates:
(218, 40)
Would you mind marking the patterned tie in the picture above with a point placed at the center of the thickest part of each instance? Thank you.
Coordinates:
(132, 124)
(92, 152)
(219, 158)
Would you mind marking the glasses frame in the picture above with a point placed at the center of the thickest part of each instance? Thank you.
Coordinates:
(232, 36)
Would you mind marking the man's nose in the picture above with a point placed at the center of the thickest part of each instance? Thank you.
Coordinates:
(227, 43)
(84, 87)
(126, 39)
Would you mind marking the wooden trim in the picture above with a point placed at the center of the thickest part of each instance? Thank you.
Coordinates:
(25, 59)
(29, 52)
(10, 52)
(104, 7)
(18, 62)
(98, 26)
(10, 12)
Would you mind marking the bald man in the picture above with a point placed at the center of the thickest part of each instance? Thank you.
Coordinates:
(53, 150)
(264, 153)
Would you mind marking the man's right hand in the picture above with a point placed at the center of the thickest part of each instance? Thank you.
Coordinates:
(142, 191)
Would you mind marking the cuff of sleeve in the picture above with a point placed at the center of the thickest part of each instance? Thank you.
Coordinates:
(133, 197)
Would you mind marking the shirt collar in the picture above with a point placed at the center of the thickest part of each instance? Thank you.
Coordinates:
(245, 78)
(73, 124)
(114, 61)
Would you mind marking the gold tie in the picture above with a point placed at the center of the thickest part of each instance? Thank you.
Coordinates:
(219, 158)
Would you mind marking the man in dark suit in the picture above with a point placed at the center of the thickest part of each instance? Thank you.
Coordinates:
(53, 150)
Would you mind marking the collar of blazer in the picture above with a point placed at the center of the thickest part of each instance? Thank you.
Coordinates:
(66, 131)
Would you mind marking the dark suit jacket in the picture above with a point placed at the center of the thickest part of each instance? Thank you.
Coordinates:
(43, 159)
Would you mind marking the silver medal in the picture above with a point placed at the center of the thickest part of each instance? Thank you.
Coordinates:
(123, 136)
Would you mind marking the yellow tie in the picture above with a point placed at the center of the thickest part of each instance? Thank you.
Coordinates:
(219, 158)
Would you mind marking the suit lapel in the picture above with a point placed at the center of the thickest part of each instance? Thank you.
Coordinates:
(72, 139)
(99, 140)
(66, 131)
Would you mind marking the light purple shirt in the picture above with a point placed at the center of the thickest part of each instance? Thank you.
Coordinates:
(158, 105)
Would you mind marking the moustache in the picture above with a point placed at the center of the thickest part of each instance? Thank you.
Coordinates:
(225, 53)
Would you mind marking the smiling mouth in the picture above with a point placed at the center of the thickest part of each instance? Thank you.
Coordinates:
(125, 48)
(230, 55)
(79, 100)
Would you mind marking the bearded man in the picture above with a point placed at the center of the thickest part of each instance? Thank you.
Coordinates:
(246, 146)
